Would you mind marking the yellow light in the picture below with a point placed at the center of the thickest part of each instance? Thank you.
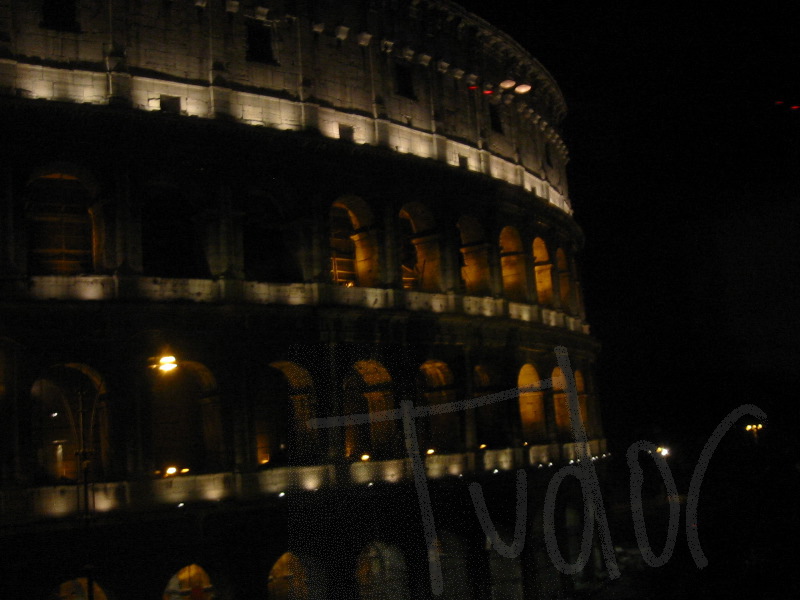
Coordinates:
(171, 470)
(184, 470)
(431, 450)
(507, 84)
(748, 428)
(264, 461)
(482, 447)
(167, 363)
(523, 88)
(664, 451)
(365, 457)
(760, 426)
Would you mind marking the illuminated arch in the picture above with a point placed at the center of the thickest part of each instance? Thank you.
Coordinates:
(185, 420)
(192, 582)
(77, 589)
(281, 415)
(560, 402)
(353, 244)
(580, 388)
(381, 573)
(543, 271)
(474, 253)
(512, 263)
(420, 256)
(368, 390)
(70, 407)
(295, 578)
(63, 227)
(443, 432)
(531, 406)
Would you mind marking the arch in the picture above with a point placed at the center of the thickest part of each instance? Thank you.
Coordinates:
(531, 405)
(454, 558)
(368, 390)
(443, 432)
(565, 289)
(62, 224)
(191, 581)
(491, 422)
(295, 578)
(580, 388)
(474, 253)
(70, 414)
(512, 264)
(281, 414)
(543, 272)
(560, 402)
(381, 573)
(420, 255)
(77, 589)
(172, 244)
(271, 242)
(354, 247)
(185, 420)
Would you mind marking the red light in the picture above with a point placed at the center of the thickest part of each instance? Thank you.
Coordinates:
(473, 87)
(779, 102)
(488, 92)
(795, 107)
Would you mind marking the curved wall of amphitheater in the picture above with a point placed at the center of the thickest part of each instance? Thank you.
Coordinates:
(309, 209)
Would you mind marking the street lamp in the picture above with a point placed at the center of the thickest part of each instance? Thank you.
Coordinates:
(754, 429)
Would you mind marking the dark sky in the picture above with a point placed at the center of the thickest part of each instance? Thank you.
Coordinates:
(684, 177)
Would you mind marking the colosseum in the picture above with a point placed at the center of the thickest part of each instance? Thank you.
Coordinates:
(225, 224)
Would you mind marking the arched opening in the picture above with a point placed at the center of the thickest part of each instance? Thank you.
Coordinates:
(78, 589)
(454, 558)
(185, 421)
(269, 241)
(60, 225)
(512, 263)
(441, 432)
(564, 282)
(543, 271)
(368, 390)
(192, 582)
(172, 245)
(294, 579)
(491, 422)
(531, 405)
(71, 422)
(474, 254)
(580, 388)
(561, 402)
(280, 417)
(354, 247)
(420, 256)
(381, 573)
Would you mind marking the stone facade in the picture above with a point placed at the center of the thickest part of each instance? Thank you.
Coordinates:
(222, 220)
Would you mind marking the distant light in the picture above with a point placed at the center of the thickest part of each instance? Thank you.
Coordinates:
(524, 443)
(431, 451)
(571, 461)
(795, 107)
(180, 505)
(264, 461)
(507, 84)
(171, 470)
(473, 87)
(522, 88)
(281, 495)
(495, 471)
(488, 92)
(54, 415)
(549, 464)
(370, 484)
(748, 428)
(779, 102)
(365, 457)
(184, 470)
(482, 447)
(663, 451)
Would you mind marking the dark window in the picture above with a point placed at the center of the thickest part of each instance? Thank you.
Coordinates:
(494, 118)
(259, 44)
(346, 132)
(60, 15)
(463, 161)
(404, 81)
(171, 104)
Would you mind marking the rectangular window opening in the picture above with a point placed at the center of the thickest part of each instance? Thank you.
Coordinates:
(346, 132)
(463, 161)
(494, 118)
(60, 15)
(404, 81)
(170, 104)
(259, 44)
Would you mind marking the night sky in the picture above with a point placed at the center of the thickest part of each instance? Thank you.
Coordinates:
(683, 175)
